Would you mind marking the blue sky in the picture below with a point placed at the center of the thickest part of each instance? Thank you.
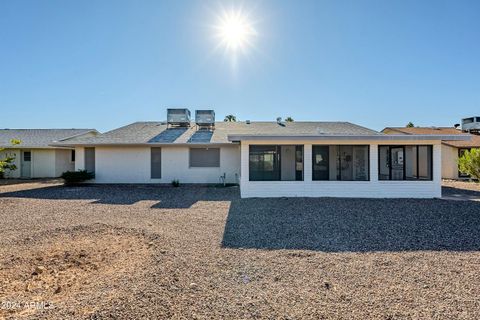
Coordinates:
(103, 64)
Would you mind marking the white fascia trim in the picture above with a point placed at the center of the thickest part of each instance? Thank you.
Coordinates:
(379, 137)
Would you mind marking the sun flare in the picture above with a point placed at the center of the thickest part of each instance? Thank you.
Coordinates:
(235, 31)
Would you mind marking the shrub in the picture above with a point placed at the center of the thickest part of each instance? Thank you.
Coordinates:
(7, 163)
(175, 183)
(469, 163)
(72, 177)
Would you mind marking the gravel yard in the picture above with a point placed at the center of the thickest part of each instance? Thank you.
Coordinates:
(130, 252)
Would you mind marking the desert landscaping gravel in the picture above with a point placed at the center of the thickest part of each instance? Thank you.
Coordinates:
(150, 252)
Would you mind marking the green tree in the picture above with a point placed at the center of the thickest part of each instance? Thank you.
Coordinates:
(289, 119)
(6, 163)
(230, 118)
(410, 125)
(469, 163)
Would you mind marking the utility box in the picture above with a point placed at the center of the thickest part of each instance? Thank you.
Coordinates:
(471, 124)
(205, 117)
(178, 117)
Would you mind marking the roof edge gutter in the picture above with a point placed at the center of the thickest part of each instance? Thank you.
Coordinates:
(379, 137)
(152, 144)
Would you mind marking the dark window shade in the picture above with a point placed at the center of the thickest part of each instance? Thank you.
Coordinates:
(72, 156)
(156, 163)
(90, 159)
(205, 157)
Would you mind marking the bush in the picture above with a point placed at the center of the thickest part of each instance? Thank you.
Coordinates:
(175, 183)
(72, 177)
(469, 163)
(7, 163)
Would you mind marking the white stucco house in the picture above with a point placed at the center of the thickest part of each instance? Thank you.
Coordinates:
(269, 159)
(451, 149)
(35, 157)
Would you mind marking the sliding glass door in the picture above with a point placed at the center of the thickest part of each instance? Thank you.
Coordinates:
(411, 162)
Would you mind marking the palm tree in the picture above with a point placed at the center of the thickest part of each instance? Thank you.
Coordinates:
(230, 118)
(289, 119)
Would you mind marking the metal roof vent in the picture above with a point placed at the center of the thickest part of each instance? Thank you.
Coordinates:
(471, 124)
(178, 117)
(205, 118)
(279, 122)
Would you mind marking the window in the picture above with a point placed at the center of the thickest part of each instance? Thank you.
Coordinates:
(405, 162)
(468, 120)
(72, 156)
(276, 163)
(340, 162)
(27, 156)
(156, 163)
(204, 157)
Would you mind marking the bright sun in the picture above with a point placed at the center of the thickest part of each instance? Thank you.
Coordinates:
(235, 31)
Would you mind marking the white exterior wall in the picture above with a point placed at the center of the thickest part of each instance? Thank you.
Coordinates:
(63, 161)
(368, 189)
(79, 158)
(46, 163)
(449, 162)
(43, 163)
(132, 165)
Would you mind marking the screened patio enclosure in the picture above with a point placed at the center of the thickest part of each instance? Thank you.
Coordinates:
(276, 162)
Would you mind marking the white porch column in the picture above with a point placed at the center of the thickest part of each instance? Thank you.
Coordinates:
(374, 163)
(307, 163)
(244, 167)
(437, 168)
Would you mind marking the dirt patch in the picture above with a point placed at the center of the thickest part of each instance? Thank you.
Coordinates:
(462, 185)
(216, 256)
(64, 267)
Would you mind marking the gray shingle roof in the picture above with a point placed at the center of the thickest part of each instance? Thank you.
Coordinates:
(157, 132)
(38, 138)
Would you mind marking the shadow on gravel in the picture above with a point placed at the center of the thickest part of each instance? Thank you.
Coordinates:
(166, 197)
(356, 225)
(461, 194)
(9, 182)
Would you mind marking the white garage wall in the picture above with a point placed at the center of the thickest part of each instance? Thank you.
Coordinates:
(63, 161)
(132, 165)
(369, 189)
(43, 163)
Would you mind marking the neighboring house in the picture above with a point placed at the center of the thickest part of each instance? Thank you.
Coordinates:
(451, 149)
(269, 159)
(35, 157)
